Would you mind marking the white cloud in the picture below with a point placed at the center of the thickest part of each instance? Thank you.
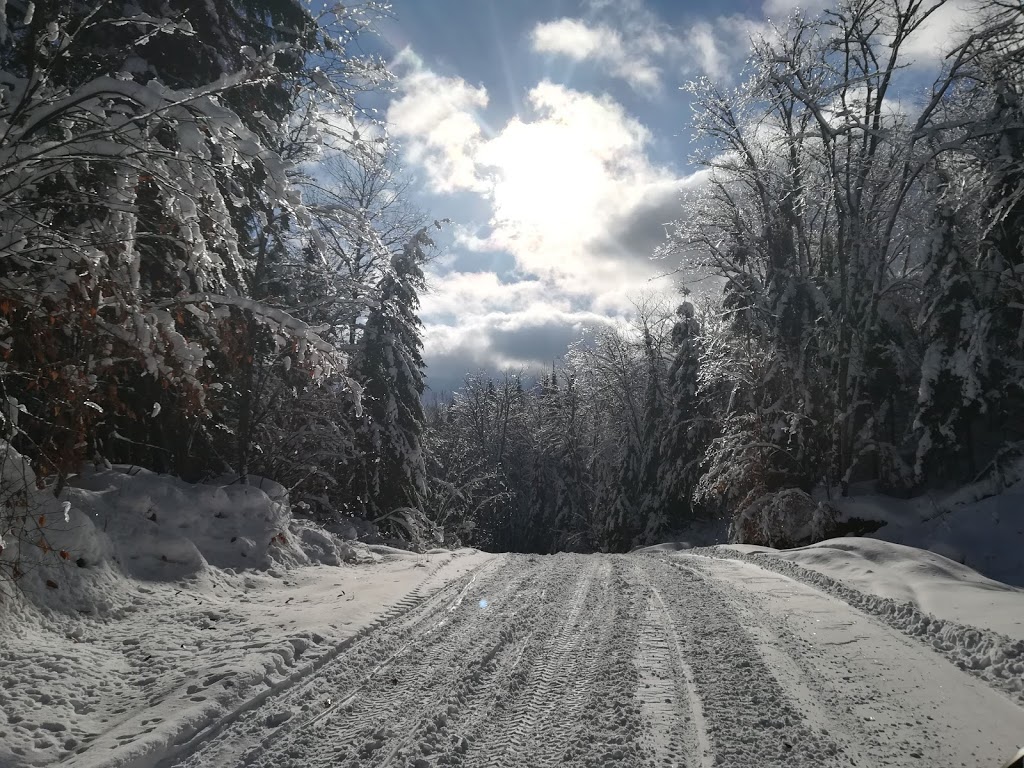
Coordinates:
(559, 180)
(942, 31)
(580, 41)
(572, 197)
(707, 50)
(529, 339)
(436, 118)
(456, 294)
(718, 47)
(780, 9)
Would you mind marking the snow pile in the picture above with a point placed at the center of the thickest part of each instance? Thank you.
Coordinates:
(986, 534)
(147, 526)
(45, 543)
(971, 629)
(930, 582)
(161, 527)
(144, 609)
(980, 525)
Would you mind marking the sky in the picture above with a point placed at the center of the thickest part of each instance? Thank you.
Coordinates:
(554, 135)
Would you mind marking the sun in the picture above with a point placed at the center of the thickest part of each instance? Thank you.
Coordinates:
(546, 178)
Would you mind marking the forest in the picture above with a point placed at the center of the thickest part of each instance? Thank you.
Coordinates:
(211, 264)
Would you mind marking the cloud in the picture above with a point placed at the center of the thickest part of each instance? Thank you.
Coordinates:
(454, 295)
(560, 179)
(529, 340)
(781, 9)
(719, 46)
(572, 198)
(580, 41)
(436, 117)
(930, 43)
(942, 31)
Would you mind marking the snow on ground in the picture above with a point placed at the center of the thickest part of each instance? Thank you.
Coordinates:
(161, 624)
(986, 534)
(884, 696)
(930, 582)
(993, 656)
(153, 609)
(630, 661)
(980, 525)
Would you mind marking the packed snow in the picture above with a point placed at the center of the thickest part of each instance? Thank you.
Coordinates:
(201, 626)
(979, 526)
(176, 604)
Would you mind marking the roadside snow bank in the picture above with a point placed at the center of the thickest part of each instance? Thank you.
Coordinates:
(930, 582)
(162, 527)
(979, 648)
(71, 554)
(986, 534)
(144, 610)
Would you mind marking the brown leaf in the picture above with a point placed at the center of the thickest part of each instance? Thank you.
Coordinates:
(51, 583)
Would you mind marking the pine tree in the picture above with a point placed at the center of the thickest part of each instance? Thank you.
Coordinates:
(678, 448)
(390, 368)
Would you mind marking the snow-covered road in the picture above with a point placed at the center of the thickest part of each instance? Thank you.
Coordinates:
(633, 660)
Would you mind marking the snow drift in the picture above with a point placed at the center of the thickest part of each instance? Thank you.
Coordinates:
(137, 610)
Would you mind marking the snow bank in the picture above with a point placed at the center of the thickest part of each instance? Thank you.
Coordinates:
(986, 534)
(980, 525)
(974, 637)
(162, 527)
(930, 582)
(146, 609)
(71, 553)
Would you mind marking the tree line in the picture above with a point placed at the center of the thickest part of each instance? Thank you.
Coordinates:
(210, 265)
(863, 214)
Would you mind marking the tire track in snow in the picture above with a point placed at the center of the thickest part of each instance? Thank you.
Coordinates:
(398, 713)
(224, 741)
(872, 688)
(990, 656)
(748, 717)
(673, 711)
(542, 669)
(424, 722)
(568, 697)
(569, 664)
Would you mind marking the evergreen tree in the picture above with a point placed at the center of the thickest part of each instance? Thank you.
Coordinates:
(678, 444)
(390, 369)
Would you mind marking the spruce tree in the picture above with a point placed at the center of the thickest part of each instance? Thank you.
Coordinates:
(391, 372)
(678, 449)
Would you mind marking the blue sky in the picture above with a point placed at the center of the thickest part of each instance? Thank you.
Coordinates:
(554, 135)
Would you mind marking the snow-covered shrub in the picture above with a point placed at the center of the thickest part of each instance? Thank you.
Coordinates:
(784, 519)
(162, 527)
(41, 538)
(411, 528)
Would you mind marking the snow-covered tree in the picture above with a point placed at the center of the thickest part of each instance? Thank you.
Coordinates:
(390, 365)
(678, 437)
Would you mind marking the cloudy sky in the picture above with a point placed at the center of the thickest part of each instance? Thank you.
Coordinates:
(553, 133)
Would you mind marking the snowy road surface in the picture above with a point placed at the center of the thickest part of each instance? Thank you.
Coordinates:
(642, 660)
